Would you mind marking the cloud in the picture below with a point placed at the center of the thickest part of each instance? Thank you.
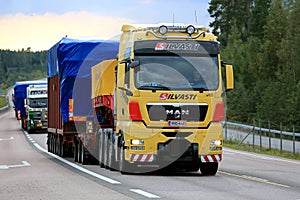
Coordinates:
(41, 32)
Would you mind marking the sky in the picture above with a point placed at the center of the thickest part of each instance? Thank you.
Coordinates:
(39, 24)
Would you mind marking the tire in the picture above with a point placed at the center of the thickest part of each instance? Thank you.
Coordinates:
(79, 151)
(209, 169)
(84, 159)
(105, 152)
(49, 143)
(23, 123)
(75, 151)
(123, 165)
(62, 148)
(28, 129)
(111, 156)
(55, 146)
(101, 161)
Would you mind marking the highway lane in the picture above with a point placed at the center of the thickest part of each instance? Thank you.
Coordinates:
(241, 175)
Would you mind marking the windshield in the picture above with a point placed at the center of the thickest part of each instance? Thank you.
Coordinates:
(177, 73)
(38, 103)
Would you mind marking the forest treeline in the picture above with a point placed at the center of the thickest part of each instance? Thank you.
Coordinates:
(21, 65)
(261, 38)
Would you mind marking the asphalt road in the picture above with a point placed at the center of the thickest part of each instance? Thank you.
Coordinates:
(28, 171)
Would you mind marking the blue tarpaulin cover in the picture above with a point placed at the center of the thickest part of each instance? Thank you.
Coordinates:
(20, 93)
(72, 59)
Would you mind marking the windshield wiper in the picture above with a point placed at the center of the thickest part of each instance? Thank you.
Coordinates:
(200, 89)
(153, 86)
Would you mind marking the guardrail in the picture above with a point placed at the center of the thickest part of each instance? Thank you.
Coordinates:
(266, 130)
(262, 137)
(6, 107)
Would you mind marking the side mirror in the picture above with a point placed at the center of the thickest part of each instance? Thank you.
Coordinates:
(229, 77)
(134, 64)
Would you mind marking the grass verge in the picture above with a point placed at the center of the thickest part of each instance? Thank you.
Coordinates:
(2, 101)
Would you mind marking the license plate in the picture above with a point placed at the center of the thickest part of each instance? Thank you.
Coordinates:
(177, 123)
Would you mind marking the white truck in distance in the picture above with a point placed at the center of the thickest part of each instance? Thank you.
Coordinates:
(36, 104)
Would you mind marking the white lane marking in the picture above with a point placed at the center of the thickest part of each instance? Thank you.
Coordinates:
(109, 180)
(24, 164)
(146, 194)
(261, 156)
(3, 139)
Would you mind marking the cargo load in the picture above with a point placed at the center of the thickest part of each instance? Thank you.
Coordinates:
(69, 77)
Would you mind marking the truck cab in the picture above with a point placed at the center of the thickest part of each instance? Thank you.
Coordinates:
(169, 98)
(36, 105)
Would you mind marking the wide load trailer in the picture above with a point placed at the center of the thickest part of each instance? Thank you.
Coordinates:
(70, 113)
(36, 108)
(164, 103)
(20, 94)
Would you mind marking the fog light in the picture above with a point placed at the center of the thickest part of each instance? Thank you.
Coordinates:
(137, 142)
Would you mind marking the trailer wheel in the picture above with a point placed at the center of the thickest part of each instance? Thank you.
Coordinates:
(23, 123)
(79, 151)
(62, 148)
(49, 143)
(29, 131)
(112, 164)
(55, 146)
(75, 151)
(101, 163)
(84, 159)
(105, 152)
(209, 169)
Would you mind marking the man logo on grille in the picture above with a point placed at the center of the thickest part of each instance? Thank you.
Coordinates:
(177, 113)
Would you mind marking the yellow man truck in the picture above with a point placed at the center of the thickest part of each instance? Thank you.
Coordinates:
(161, 103)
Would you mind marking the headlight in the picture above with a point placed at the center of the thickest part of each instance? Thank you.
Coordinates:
(215, 142)
(137, 142)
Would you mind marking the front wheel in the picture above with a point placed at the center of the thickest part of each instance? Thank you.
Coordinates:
(124, 166)
(209, 169)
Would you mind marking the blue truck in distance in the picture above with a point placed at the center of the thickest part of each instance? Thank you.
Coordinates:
(20, 94)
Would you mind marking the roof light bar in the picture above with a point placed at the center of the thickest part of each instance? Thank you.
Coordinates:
(163, 29)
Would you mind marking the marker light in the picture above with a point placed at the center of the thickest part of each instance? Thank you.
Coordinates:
(134, 111)
(190, 29)
(219, 112)
(163, 29)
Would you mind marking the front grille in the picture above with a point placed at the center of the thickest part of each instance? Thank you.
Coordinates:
(177, 112)
(36, 115)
